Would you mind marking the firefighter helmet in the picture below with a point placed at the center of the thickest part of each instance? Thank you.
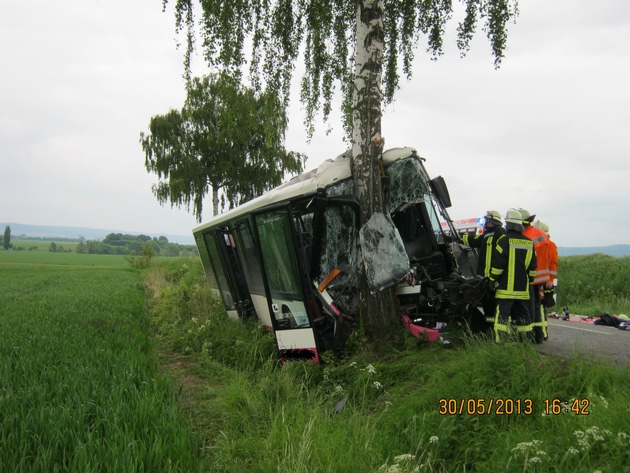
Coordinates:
(513, 220)
(542, 226)
(494, 217)
(526, 216)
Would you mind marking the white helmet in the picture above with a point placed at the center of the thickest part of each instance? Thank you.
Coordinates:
(514, 220)
(493, 216)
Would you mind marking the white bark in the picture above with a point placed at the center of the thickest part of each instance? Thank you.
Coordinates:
(378, 311)
(215, 200)
(367, 143)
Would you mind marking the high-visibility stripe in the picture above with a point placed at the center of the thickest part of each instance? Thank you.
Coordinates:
(487, 267)
(524, 328)
(506, 294)
(539, 239)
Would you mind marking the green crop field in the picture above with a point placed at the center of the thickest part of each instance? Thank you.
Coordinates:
(41, 245)
(79, 387)
(22, 258)
(108, 369)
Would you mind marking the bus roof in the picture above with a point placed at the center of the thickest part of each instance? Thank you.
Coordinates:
(328, 173)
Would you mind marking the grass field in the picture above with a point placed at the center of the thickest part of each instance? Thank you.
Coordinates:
(412, 408)
(48, 258)
(84, 359)
(79, 386)
(40, 245)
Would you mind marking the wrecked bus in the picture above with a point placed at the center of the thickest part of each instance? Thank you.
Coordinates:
(291, 256)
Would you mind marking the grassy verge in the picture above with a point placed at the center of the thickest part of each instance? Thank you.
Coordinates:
(79, 386)
(418, 408)
(594, 284)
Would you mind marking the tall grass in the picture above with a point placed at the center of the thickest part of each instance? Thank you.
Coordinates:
(380, 412)
(79, 387)
(594, 284)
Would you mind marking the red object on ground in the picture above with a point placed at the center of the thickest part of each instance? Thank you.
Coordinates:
(420, 332)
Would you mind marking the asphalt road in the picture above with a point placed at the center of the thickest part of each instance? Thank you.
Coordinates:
(588, 340)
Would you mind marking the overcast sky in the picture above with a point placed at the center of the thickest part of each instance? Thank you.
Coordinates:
(549, 131)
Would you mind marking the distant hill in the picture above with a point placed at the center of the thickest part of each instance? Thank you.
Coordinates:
(41, 231)
(612, 250)
(52, 232)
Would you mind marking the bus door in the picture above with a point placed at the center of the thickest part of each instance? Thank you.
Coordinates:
(285, 285)
(250, 261)
(230, 279)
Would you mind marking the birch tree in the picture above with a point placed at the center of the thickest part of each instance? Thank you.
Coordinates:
(226, 140)
(358, 47)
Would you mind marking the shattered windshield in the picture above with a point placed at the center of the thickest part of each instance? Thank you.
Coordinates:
(407, 185)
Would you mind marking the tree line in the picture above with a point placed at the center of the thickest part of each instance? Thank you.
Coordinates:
(124, 244)
(112, 244)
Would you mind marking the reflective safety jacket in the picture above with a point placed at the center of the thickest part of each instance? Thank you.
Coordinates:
(484, 243)
(542, 247)
(513, 266)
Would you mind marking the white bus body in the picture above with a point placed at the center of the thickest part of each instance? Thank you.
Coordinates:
(291, 256)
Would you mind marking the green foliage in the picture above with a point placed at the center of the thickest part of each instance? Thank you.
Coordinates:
(79, 387)
(6, 242)
(192, 320)
(325, 32)
(594, 284)
(226, 138)
(133, 245)
(143, 260)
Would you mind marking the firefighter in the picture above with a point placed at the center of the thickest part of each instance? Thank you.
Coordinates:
(513, 268)
(542, 280)
(550, 294)
(484, 243)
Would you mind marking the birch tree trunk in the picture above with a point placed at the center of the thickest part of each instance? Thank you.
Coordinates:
(215, 200)
(378, 311)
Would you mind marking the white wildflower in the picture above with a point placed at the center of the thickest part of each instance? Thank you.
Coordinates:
(434, 439)
(524, 446)
(370, 369)
(604, 401)
(573, 451)
(535, 460)
(377, 385)
(339, 389)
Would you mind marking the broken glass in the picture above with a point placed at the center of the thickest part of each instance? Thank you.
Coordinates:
(343, 188)
(384, 256)
(407, 184)
(339, 243)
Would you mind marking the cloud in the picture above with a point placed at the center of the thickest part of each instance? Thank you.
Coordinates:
(546, 131)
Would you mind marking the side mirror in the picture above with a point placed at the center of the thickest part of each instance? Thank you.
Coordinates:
(438, 184)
